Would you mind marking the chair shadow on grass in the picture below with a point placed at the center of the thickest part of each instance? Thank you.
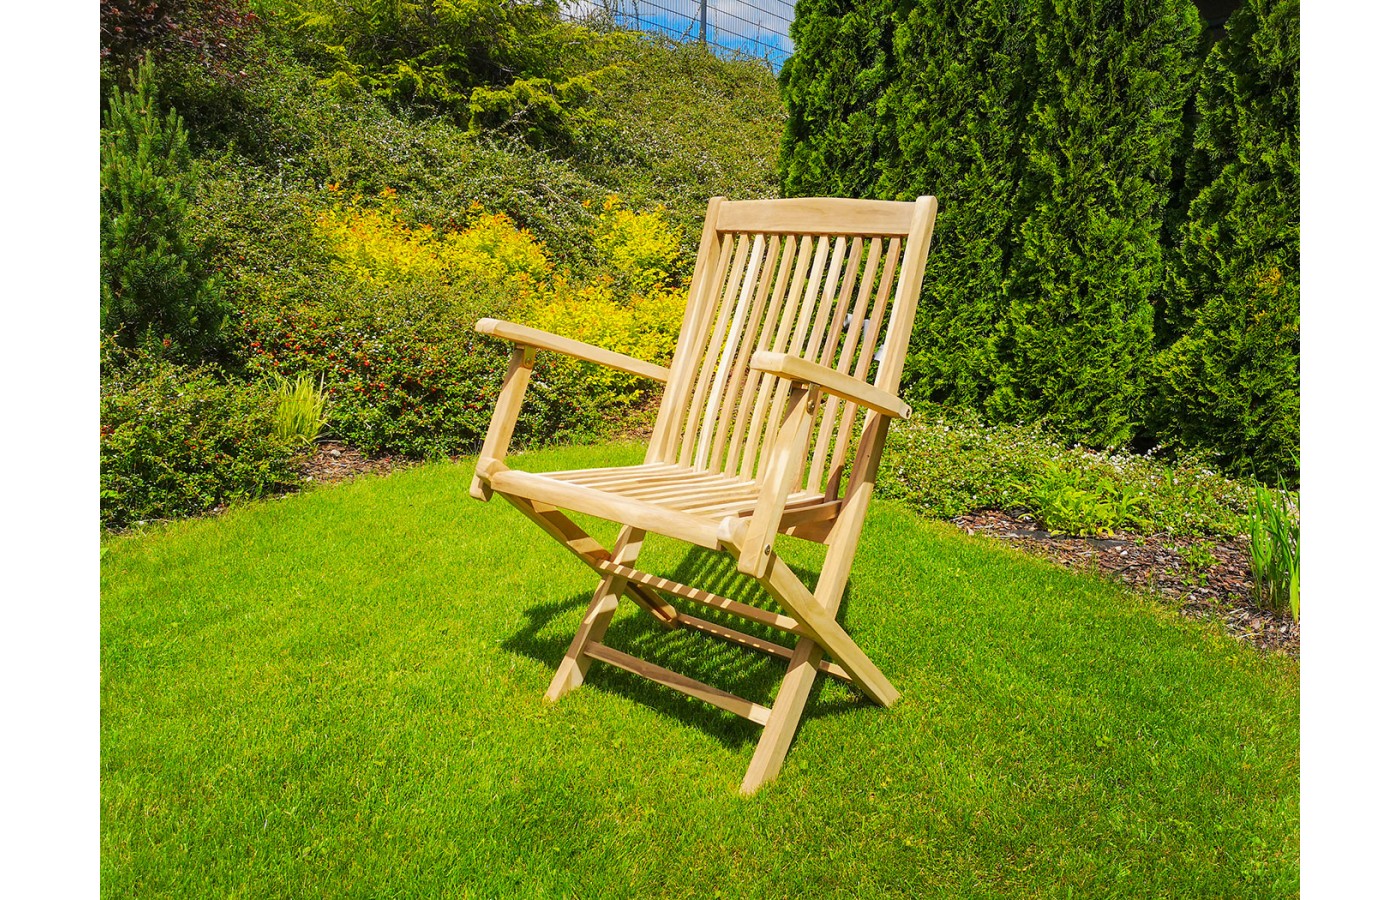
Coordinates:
(751, 674)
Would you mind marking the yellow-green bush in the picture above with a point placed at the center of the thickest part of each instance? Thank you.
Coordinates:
(634, 306)
(639, 248)
(379, 245)
(388, 325)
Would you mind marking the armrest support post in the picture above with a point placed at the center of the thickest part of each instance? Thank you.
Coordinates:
(503, 418)
(756, 552)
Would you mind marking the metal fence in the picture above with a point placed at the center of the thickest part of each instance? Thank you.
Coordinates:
(749, 29)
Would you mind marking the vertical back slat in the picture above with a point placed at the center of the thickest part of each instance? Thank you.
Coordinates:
(711, 359)
(782, 387)
(734, 359)
(739, 373)
(788, 313)
(709, 260)
(742, 425)
(849, 332)
(869, 342)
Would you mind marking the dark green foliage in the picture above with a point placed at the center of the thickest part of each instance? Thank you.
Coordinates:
(1229, 368)
(896, 101)
(155, 292)
(959, 113)
(1047, 132)
(178, 441)
(833, 84)
(1109, 87)
(1102, 264)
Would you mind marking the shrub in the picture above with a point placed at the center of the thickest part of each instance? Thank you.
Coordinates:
(425, 56)
(154, 291)
(639, 249)
(950, 464)
(178, 441)
(387, 326)
(1068, 499)
(672, 123)
(633, 305)
(301, 411)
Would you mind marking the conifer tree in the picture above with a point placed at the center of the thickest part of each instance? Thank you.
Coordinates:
(1228, 377)
(958, 123)
(1110, 83)
(154, 292)
(833, 144)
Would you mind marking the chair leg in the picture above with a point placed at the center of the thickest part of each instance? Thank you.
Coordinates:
(787, 709)
(598, 617)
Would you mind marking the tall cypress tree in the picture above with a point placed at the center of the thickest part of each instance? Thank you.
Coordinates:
(957, 115)
(1228, 377)
(1111, 80)
(832, 83)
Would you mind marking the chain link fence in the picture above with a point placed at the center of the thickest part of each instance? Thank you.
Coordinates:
(746, 29)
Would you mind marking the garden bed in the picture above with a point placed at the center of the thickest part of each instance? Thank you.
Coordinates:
(1157, 565)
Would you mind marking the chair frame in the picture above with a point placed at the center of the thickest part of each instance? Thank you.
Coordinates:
(832, 517)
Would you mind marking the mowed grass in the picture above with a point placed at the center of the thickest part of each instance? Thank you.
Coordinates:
(339, 694)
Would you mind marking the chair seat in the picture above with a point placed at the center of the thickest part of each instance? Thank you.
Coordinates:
(664, 498)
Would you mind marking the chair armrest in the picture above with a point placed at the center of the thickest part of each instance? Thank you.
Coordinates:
(795, 368)
(524, 336)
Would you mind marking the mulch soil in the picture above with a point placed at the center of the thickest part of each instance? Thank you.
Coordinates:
(1152, 565)
(334, 461)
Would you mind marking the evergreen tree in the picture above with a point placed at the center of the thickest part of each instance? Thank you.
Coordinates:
(833, 82)
(154, 292)
(957, 116)
(1228, 376)
(1110, 82)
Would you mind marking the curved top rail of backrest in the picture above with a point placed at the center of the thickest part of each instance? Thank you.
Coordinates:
(817, 215)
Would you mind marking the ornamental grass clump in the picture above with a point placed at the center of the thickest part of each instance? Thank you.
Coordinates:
(1273, 550)
(301, 411)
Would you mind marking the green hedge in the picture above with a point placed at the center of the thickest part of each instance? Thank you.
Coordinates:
(1228, 371)
(1055, 135)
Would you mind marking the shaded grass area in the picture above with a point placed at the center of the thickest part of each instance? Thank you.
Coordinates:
(339, 694)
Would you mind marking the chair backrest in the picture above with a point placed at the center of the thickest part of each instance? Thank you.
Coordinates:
(834, 281)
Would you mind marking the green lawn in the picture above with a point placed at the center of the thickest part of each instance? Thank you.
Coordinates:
(339, 694)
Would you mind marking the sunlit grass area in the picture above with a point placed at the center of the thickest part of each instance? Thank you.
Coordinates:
(340, 694)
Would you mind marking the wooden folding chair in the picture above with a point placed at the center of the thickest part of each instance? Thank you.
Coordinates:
(789, 314)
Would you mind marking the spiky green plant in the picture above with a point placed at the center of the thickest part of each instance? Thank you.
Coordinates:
(301, 410)
(1273, 550)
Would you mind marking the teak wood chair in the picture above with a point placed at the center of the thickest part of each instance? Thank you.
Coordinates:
(796, 327)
